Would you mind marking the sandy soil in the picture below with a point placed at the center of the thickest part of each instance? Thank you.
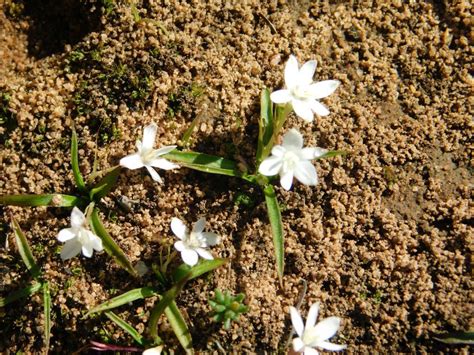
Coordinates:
(384, 241)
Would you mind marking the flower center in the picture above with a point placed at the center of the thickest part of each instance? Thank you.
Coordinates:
(301, 92)
(290, 159)
(194, 241)
(310, 337)
(147, 155)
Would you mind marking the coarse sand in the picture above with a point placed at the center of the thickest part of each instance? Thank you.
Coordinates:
(384, 241)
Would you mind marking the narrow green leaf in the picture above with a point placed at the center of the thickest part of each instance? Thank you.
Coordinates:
(125, 298)
(187, 134)
(47, 314)
(179, 326)
(265, 125)
(25, 250)
(105, 185)
(185, 271)
(55, 200)
(208, 163)
(126, 326)
(333, 153)
(168, 297)
(109, 244)
(274, 215)
(180, 279)
(457, 338)
(75, 163)
(24, 292)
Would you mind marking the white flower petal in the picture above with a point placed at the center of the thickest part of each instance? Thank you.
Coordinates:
(66, 234)
(189, 256)
(87, 250)
(305, 173)
(323, 89)
(199, 226)
(204, 254)
(179, 245)
(331, 346)
(312, 315)
(70, 249)
(211, 238)
(163, 164)
(318, 108)
(327, 327)
(154, 351)
(286, 180)
(96, 242)
(319, 152)
(278, 151)
(149, 135)
(297, 321)
(303, 109)
(154, 174)
(298, 345)
(310, 351)
(291, 72)
(270, 166)
(178, 227)
(293, 140)
(77, 218)
(281, 96)
(306, 73)
(164, 150)
(132, 161)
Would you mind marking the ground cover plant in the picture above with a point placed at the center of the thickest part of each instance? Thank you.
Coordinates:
(226, 187)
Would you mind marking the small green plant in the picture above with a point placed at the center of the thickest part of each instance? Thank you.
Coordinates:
(39, 283)
(227, 308)
(169, 285)
(88, 195)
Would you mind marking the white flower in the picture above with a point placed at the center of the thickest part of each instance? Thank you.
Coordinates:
(302, 92)
(194, 244)
(292, 160)
(313, 335)
(78, 237)
(147, 156)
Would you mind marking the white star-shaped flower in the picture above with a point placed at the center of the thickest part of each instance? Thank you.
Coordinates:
(302, 92)
(78, 237)
(147, 156)
(194, 244)
(311, 335)
(292, 160)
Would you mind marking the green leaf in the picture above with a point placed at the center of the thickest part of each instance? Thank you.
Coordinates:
(25, 250)
(180, 279)
(125, 298)
(179, 326)
(265, 125)
(109, 244)
(24, 292)
(126, 326)
(55, 200)
(75, 163)
(168, 297)
(457, 338)
(47, 314)
(105, 185)
(274, 215)
(185, 271)
(208, 163)
(332, 153)
(189, 131)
